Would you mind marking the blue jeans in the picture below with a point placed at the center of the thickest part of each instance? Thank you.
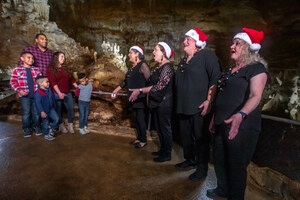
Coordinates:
(84, 108)
(69, 104)
(54, 117)
(29, 113)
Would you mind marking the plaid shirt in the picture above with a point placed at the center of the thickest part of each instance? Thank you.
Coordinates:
(41, 59)
(18, 80)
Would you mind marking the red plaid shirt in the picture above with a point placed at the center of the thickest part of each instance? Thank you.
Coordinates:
(18, 80)
(41, 59)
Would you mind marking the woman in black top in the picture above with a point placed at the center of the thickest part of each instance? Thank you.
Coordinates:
(136, 77)
(195, 83)
(160, 99)
(237, 117)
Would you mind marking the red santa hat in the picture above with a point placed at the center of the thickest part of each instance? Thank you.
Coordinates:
(199, 36)
(252, 37)
(139, 49)
(169, 51)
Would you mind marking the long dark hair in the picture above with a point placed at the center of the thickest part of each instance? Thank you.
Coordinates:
(55, 63)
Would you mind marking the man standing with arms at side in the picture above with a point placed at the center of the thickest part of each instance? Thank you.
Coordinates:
(195, 82)
(42, 55)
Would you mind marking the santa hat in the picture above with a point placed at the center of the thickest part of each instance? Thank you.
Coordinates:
(199, 36)
(252, 37)
(139, 49)
(169, 51)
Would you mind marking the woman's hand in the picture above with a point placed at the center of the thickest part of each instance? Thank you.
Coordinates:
(61, 95)
(211, 127)
(206, 107)
(235, 121)
(114, 93)
(135, 93)
(22, 93)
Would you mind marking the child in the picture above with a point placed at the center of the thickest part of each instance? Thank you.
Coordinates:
(84, 102)
(45, 104)
(23, 81)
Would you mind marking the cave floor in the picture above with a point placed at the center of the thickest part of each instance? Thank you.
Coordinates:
(93, 166)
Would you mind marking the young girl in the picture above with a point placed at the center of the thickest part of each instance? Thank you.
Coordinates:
(60, 80)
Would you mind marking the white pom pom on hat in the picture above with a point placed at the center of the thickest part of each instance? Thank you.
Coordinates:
(198, 36)
(169, 51)
(139, 49)
(252, 37)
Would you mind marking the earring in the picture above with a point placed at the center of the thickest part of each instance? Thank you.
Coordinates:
(162, 58)
(135, 59)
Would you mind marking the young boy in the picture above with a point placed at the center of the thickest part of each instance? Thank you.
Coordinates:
(84, 102)
(23, 81)
(45, 105)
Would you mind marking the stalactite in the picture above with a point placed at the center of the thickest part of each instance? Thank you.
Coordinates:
(42, 8)
(112, 51)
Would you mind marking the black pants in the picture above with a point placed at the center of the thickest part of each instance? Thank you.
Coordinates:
(140, 123)
(162, 116)
(231, 158)
(195, 139)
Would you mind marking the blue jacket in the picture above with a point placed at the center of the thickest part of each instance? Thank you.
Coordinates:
(44, 100)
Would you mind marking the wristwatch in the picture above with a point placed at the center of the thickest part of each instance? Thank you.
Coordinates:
(244, 115)
(141, 90)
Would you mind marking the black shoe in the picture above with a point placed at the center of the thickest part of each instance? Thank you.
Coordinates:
(139, 145)
(162, 159)
(214, 194)
(156, 153)
(198, 175)
(166, 156)
(187, 164)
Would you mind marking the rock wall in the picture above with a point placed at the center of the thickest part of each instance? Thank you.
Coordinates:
(146, 22)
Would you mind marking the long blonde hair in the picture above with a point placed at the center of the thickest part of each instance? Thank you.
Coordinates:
(249, 57)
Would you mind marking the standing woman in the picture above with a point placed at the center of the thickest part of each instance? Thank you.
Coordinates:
(237, 119)
(161, 99)
(61, 81)
(136, 77)
(195, 81)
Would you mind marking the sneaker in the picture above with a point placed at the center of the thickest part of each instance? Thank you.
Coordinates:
(27, 133)
(38, 131)
(51, 132)
(49, 137)
(86, 130)
(62, 128)
(82, 132)
(70, 128)
(187, 164)
(198, 175)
